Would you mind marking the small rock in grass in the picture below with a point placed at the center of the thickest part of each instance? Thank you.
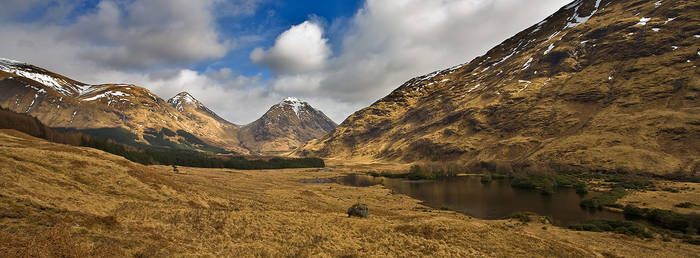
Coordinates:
(358, 210)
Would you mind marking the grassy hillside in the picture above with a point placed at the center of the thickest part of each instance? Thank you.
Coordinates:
(182, 154)
(60, 200)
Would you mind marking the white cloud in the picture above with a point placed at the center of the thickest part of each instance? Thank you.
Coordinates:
(237, 98)
(146, 43)
(152, 44)
(299, 49)
(389, 42)
(143, 34)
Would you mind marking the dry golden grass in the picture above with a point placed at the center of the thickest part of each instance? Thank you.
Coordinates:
(680, 192)
(58, 200)
(610, 96)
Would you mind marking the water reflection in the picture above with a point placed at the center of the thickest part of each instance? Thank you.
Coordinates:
(488, 201)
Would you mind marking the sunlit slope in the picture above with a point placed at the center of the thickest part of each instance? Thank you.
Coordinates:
(599, 85)
(134, 115)
(58, 200)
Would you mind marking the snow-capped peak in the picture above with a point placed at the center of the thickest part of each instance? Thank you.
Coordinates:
(295, 103)
(183, 98)
(291, 99)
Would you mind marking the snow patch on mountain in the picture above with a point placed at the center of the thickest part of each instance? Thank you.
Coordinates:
(295, 103)
(60, 85)
(182, 99)
(577, 20)
(643, 21)
(107, 94)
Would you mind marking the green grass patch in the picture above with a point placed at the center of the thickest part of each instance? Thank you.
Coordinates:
(549, 183)
(605, 199)
(671, 220)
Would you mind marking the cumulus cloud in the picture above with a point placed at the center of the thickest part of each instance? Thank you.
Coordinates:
(154, 43)
(389, 42)
(150, 43)
(142, 34)
(301, 48)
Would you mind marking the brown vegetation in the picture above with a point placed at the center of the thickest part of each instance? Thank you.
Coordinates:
(58, 200)
(608, 95)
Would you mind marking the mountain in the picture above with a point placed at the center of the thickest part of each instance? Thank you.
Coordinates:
(134, 115)
(285, 126)
(600, 85)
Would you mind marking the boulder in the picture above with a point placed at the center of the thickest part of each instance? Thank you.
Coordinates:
(358, 210)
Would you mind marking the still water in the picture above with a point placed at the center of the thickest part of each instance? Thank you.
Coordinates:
(495, 200)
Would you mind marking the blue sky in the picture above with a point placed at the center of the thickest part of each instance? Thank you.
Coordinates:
(239, 57)
(272, 18)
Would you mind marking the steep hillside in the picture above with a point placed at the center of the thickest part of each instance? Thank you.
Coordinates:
(223, 133)
(127, 112)
(134, 115)
(599, 85)
(285, 126)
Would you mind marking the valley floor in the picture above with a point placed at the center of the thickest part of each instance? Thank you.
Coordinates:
(62, 200)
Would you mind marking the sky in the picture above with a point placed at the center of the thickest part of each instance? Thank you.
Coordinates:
(240, 57)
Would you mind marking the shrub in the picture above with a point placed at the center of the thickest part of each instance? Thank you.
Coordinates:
(433, 171)
(523, 216)
(620, 227)
(665, 218)
(486, 178)
(684, 205)
(668, 219)
(605, 199)
(548, 183)
(633, 212)
(672, 190)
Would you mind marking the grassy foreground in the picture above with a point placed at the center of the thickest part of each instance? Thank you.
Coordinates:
(59, 200)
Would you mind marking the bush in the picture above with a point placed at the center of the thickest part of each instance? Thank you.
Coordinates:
(631, 182)
(684, 205)
(486, 178)
(668, 219)
(620, 227)
(433, 171)
(523, 216)
(387, 174)
(606, 199)
(633, 212)
(548, 183)
(665, 218)
(672, 190)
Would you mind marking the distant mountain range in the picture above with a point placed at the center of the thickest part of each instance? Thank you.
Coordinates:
(134, 115)
(600, 85)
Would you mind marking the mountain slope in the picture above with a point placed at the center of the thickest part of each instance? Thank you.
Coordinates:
(285, 126)
(600, 85)
(130, 113)
(134, 115)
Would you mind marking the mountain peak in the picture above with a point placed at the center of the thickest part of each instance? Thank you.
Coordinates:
(7, 61)
(291, 99)
(184, 98)
(295, 103)
(44, 78)
(286, 126)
